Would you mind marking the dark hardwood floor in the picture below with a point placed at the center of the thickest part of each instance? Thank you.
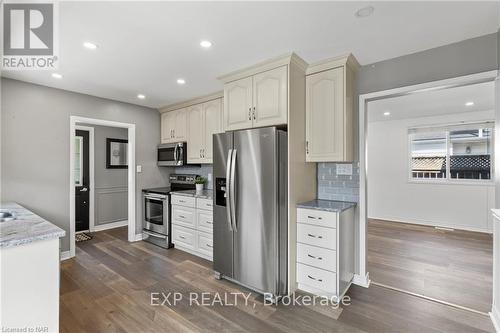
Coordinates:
(453, 266)
(107, 288)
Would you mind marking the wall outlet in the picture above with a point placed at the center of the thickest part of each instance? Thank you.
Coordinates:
(138, 168)
(344, 169)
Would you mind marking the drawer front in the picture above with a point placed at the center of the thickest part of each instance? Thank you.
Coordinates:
(205, 221)
(317, 217)
(204, 204)
(317, 257)
(205, 244)
(317, 236)
(181, 200)
(183, 216)
(317, 278)
(184, 237)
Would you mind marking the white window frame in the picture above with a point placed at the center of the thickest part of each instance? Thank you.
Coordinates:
(448, 180)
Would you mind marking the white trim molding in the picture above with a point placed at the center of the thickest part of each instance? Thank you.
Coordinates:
(363, 152)
(495, 318)
(112, 225)
(362, 281)
(131, 174)
(65, 255)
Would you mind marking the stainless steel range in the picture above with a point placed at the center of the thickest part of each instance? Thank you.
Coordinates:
(156, 224)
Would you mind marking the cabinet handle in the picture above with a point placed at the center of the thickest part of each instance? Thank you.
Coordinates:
(173, 132)
(311, 256)
(249, 113)
(182, 237)
(210, 246)
(313, 217)
(314, 236)
(200, 153)
(182, 216)
(307, 147)
(309, 276)
(254, 113)
(208, 222)
(203, 152)
(182, 201)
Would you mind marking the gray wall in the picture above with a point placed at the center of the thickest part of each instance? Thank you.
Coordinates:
(35, 146)
(111, 185)
(463, 58)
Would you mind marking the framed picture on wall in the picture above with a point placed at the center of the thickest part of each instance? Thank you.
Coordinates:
(116, 153)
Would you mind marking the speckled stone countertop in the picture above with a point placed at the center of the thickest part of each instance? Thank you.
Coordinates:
(205, 194)
(26, 228)
(327, 205)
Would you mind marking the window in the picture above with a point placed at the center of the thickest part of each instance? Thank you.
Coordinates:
(78, 160)
(460, 152)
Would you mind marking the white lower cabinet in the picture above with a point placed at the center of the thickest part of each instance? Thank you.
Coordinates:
(325, 251)
(192, 225)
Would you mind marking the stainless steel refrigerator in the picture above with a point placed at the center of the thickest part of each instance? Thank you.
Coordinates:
(250, 209)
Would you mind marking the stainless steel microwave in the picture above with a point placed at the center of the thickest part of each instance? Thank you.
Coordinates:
(172, 154)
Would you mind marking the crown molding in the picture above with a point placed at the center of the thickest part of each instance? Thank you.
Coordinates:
(191, 102)
(323, 65)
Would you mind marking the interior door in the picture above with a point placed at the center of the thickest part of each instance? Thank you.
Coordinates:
(270, 97)
(238, 104)
(82, 189)
(195, 130)
(256, 223)
(212, 112)
(325, 116)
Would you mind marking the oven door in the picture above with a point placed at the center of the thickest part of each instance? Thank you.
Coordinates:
(156, 213)
(171, 154)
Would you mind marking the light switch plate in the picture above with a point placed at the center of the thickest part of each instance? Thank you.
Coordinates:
(138, 168)
(344, 169)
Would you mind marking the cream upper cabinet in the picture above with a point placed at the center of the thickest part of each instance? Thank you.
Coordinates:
(329, 111)
(167, 127)
(180, 129)
(238, 104)
(195, 133)
(212, 119)
(270, 97)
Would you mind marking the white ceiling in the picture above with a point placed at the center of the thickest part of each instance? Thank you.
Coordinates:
(433, 103)
(145, 47)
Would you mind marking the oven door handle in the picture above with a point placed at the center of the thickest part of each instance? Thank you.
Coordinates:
(154, 234)
(153, 196)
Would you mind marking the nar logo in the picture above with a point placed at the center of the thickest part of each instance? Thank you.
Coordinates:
(29, 36)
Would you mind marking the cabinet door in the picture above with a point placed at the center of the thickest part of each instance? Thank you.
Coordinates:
(325, 116)
(180, 130)
(195, 133)
(212, 119)
(238, 104)
(270, 97)
(167, 127)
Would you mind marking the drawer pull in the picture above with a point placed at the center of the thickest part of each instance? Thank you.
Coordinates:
(208, 205)
(319, 280)
(182, 216)
(313, 218)
(208, 222)
(310, 256)
(210, 246)
(182, 201)
(314, 236)
(182, 237)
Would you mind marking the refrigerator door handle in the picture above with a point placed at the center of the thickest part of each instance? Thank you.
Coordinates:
(228, 191)
(232, 198)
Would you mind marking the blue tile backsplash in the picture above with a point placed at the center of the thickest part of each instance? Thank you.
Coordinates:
(337, 187)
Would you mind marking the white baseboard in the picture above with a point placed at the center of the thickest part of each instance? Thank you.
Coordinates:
(137, 238)
(362, 281)
(495, 318)
(108, 226)
(431, 224)
(64, 255)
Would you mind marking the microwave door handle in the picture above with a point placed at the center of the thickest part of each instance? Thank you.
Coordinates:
(180, 151)
(228, 190)
(232, 190)
(175, 153)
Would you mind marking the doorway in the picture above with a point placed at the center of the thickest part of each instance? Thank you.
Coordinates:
(82, 178)
(431, 248)
(130, 174)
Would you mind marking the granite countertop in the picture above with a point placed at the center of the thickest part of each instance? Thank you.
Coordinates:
(205, 194)
(327, 205)
(26, 228)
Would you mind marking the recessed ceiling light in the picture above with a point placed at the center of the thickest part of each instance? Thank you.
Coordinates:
(205, 43)
(387, 113)
(56, 76)
(469, 103)
(365, 12)
(90, 46)
(141, 96)
(181, 81)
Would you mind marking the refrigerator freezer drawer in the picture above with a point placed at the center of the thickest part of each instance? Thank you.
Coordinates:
(184, 237)
(181, 200)
(317, 257)
(317, 278)
(317, 217)
(204, 204)
(184, 216)
(317, 236)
